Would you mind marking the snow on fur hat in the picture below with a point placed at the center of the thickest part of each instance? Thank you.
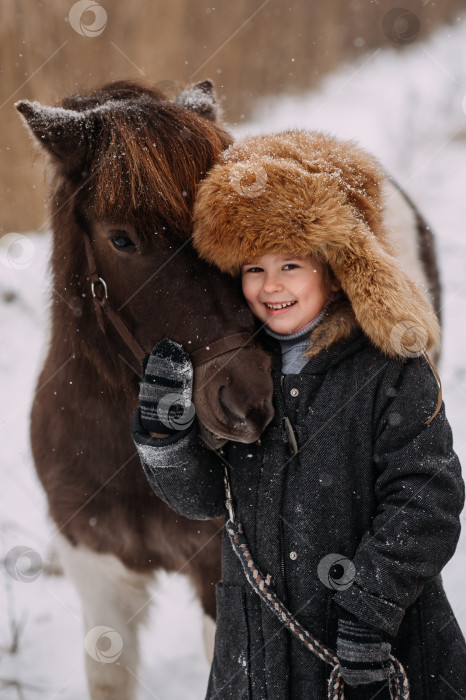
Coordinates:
(299, 193)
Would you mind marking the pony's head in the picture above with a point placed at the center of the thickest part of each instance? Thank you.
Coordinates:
(125, 165)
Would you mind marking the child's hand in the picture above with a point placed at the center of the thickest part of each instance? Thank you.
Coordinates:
(166, 389)
(363, 655)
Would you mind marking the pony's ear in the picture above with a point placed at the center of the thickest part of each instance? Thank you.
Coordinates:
(200, 98)
(62, 132)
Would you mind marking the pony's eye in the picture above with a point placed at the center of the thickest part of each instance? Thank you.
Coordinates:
(123, 243)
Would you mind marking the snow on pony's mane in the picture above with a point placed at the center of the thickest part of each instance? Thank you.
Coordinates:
(139, 156)
(131, 151)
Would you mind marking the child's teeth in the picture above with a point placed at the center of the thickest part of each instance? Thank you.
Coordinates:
(280, 306)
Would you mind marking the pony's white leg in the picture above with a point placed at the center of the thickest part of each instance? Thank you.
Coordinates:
(208, 635)
(112, 596)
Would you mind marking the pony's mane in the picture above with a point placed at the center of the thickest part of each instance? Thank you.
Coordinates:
(147, 155)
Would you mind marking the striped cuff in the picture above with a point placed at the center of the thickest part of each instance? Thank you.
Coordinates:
(363, 655)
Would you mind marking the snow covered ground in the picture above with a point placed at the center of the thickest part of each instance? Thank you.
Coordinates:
(409, 109)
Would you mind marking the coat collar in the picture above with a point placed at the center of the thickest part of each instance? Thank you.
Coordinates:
(338, 351)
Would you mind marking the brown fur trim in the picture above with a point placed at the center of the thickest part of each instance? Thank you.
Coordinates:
(338, 323)
(303, 193)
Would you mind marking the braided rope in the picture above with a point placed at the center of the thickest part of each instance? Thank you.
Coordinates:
(398, 681)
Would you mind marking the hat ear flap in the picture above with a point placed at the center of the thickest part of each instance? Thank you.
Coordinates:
(390, 308)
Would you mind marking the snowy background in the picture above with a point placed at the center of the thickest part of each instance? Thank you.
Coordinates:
(409, 109)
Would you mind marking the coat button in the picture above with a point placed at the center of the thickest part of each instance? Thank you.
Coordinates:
(294, 392)
(293, 556)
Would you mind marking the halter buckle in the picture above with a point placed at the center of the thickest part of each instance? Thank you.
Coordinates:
(104, 285)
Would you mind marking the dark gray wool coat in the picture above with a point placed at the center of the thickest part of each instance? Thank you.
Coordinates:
(371, 483)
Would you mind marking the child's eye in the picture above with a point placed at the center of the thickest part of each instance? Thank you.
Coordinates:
(253, 269)
(290, 266)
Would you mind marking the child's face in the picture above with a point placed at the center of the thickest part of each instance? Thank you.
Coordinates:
(274, 280)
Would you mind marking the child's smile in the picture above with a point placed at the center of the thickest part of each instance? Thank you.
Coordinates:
(280, 306)
(286, 293)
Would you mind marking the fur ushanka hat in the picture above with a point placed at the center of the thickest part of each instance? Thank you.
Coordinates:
(302, 193)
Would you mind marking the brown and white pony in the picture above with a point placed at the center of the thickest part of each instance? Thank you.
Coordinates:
(126, 163)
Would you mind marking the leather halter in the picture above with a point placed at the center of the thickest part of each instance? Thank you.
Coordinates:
(220, 347)
(99, 292)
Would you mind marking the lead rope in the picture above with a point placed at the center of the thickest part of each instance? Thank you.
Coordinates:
(398, 681)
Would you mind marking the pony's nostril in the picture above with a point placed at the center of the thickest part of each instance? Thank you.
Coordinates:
(259, 414)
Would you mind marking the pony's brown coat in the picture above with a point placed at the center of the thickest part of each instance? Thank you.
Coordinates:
(125, 159)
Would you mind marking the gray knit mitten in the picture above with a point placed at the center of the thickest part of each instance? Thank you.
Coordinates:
(363, 654)
(166, 389)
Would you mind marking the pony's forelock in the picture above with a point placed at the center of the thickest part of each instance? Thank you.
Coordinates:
(148, 157)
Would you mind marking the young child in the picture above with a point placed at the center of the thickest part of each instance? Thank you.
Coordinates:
(351, 499)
